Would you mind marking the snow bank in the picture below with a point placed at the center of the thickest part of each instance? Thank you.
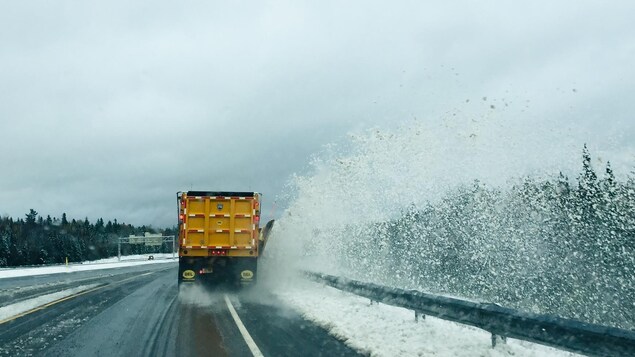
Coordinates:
(383, 330)
(9, 311)
(108, 263)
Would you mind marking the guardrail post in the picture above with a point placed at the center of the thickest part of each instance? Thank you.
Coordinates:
(417, 314)
(173, 246)
(496, 337)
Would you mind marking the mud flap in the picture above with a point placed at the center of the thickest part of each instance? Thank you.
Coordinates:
(246, 271)
(187, 272)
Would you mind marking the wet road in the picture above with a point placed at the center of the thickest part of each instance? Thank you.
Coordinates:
(140, 312)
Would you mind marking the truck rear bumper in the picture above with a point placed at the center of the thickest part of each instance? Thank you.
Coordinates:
(218, 270)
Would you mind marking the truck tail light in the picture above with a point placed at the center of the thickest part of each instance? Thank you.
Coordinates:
(256, 219)
(181, 217)
(219, 252)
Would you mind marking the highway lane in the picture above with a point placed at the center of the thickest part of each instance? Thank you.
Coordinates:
(142, 313)
(20, 288)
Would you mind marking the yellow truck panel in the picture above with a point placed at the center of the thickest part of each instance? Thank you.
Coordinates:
(225, 222)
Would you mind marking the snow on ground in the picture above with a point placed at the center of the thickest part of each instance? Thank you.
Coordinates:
(383, 330)
(30, 304)
(108, 263)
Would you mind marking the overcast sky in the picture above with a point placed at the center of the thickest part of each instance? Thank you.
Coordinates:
(108, 108)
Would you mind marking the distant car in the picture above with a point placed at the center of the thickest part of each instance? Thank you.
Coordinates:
(150, 257)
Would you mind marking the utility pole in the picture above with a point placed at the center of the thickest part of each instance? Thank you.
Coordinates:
(173, 246)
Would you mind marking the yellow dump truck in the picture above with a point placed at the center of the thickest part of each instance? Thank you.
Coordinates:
(220, 238)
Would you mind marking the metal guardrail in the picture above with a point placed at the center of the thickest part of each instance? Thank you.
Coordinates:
(571, 335)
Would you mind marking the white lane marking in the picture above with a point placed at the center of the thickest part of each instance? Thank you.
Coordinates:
(243, 331)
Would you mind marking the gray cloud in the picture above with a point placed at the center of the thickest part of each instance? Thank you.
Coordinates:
(107, 109)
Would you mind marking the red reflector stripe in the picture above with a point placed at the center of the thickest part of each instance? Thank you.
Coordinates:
(216, 248)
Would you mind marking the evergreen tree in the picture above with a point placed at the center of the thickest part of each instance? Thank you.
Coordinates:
(36, 240)
(31, 217)
(587, 183)
(5, 244)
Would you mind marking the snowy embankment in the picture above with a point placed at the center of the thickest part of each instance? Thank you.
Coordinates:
(108, 263)
(383, 330)
(13, 310)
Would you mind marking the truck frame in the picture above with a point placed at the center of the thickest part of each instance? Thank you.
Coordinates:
(220, 238)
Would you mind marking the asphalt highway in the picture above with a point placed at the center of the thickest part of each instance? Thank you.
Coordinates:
(139, 311)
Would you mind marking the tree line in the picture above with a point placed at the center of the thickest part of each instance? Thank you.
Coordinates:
(35, 240)
(549, 245)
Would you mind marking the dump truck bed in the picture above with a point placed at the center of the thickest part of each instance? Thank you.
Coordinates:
(219, 237)
(219, 223)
